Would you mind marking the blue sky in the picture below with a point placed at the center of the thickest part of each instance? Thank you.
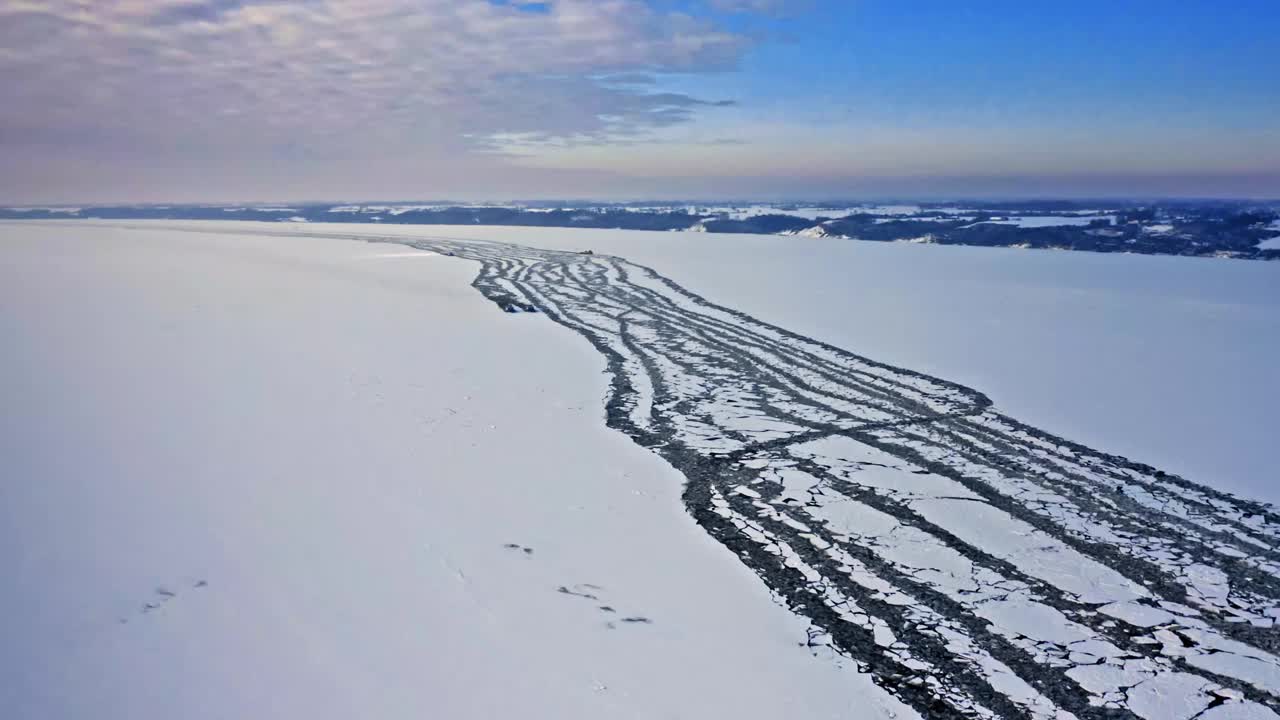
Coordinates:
(189, 100)
(1020, 62)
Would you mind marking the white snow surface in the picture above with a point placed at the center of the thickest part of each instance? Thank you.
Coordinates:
(277, 477)
(309, 471)
(1272, 243)
(1166, 360)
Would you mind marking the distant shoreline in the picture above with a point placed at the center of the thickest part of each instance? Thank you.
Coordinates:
(1224, 229)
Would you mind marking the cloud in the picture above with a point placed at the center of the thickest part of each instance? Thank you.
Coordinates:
(182, 12)
(435, 77)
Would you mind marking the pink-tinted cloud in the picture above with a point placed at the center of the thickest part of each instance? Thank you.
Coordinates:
(185, 82)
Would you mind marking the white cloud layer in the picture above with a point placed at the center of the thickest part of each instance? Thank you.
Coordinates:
(291, 100)
(192, 84)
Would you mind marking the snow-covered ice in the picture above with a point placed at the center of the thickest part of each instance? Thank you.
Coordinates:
(946, 547)
(1163, 359)
(305, 478)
